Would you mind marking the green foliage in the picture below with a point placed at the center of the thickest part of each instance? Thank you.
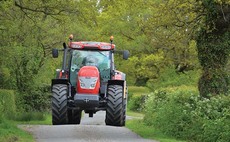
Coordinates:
(213, 55)
(37, 118)
(148, 132)
(213, 114)
(136, 97)
(44, 25)
(29, 116)
(24, 65)
(136, 102)
(137, 90)
(183, 114)
(7, 103)
(37, 99)
(169, 78)
(146, 67)
(25, 62)
(213, 42)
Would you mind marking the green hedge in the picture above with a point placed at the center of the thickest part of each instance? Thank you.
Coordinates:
(136, 102)
(34, 100)
(136, 97)
(183, 114)
(7, 103)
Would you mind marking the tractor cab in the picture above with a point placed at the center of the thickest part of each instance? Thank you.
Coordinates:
(96, 58)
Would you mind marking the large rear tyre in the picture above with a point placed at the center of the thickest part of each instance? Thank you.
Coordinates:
(74, 116)
(59, 104)
(116, 106)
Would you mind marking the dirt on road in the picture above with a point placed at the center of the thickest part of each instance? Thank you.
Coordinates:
(90, 130)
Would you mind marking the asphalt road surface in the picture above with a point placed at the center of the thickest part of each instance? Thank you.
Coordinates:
(90, 130)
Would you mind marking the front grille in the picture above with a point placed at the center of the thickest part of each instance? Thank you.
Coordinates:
(88, 82)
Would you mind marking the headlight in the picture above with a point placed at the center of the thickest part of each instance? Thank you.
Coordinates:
(82, 84)
(93, 84)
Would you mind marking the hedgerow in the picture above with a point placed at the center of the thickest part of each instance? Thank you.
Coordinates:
(184, 114)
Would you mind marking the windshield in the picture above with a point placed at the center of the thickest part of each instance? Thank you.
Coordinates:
(100, 59)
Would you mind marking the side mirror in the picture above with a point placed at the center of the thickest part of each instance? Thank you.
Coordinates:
(55, 52)
(125, 54)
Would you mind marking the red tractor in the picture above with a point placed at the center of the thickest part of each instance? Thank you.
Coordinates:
(89, 82)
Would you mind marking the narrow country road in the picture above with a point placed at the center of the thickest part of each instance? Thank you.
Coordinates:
(90, 130)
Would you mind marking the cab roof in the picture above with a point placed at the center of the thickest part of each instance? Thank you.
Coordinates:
(91, 45)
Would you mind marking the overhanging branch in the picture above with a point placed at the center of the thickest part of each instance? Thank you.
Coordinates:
(38, 10)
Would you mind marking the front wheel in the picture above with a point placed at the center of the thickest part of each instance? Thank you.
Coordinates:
(116, 106)
(59, 104)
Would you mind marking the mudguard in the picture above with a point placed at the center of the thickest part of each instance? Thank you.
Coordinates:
(60, 81)
(121, 83)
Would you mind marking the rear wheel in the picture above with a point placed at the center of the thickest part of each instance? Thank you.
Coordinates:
(74, 116)
(59, 104)
(116, 106)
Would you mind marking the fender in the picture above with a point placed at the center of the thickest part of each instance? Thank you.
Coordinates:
(121, 83)
(60, 81)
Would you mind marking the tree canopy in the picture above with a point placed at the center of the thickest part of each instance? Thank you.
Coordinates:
(183, 34)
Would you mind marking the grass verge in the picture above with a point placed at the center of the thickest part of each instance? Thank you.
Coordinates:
(134, 114)
(148, 132)
(35, 118)
(9, 132)
(138, 89)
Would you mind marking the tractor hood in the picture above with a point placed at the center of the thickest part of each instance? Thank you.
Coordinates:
(88, 80)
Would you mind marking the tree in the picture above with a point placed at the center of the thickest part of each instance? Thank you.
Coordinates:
(207, 22)
(174, 25)
(213, 44)
(158, 34)
(29, 29)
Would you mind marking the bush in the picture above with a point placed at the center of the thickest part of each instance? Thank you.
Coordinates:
(214, 116)
(183, 114)
(37, 99)
(136, 98)
(7, 103)
(136, 102)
